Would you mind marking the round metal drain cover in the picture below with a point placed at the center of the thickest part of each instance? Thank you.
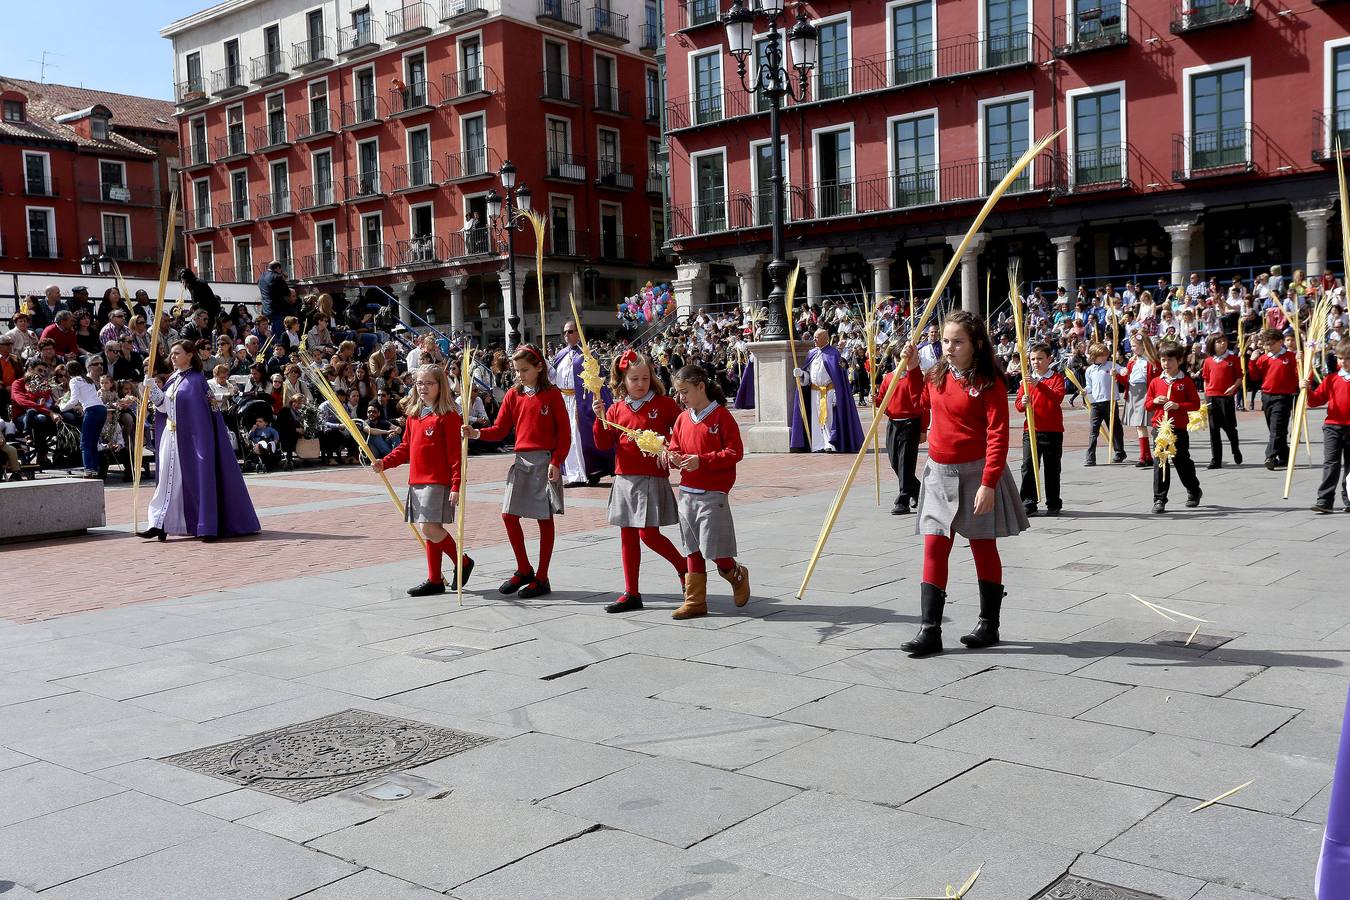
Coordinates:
(327, 752)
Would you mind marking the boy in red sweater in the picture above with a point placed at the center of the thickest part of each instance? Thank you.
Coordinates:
(904, 432)
(1334, 394)
(1047, 393)
(1172, 395)
(705, 445)
(1222, 371)
(1277, 372)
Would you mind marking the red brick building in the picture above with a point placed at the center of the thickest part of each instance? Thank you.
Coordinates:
(1191, 130)
(355, 147)
(78, 163)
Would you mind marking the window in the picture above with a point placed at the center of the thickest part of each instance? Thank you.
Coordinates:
(832, 67)
(471, 65)
(197, 142)
(422, 247)
(321, 164)
(272, 48)
(314, 29)
(201, 190)
(234, 130)
(281, 188)
(415, 77)
(239, 195)
(318, 106)
(761, 159)
(1005, 32)
(363, 30)
(112, 181)
(654, 185)
(707, 87)
(611, 231)
(653, 95)
(1096, 138)
(37, 174)
(560, 226)
(606, 93)
(658, 236)
(419, 157)
(368, 167)
(194, 73)
(243, 260)
(1339, 72)
(13, 111)
(276, 119)
(327, 246)
(98, 128)
(473, 133)
(42, 233)
(914, 160)
(1218, 118)
(607, 156)
(281, 249)
(206, 262)
(233, 71)
(710, 201)
(1007, 134)
(559, 145)
(372, 238)
(834, 172)
(912, 42)
(365, 95)
(1095, 22)
(556, 85)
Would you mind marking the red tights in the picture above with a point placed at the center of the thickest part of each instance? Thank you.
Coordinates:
(630, 550)
(445, 545)
(696, 563)
(937, 549)
(517, 537)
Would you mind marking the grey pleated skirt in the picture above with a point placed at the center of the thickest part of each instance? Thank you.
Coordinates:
(642, 501)
(428, 503)
(706, 526)
(529, 493)
(947, 501)
(1135, 412)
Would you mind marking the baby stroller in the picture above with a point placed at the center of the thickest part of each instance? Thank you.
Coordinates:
(249, 413)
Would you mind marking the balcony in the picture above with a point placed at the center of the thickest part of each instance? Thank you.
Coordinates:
(409, 22)
(358, 40)
(1097, 169)
(426, 250)
(564, 15)
(461, 12)
(700, 12)
(232, 274)
(606, 26)
(476, 162)
(127, 253)
(559, 88)
(196, 156)
(316, 124)
(706, 108)
(365, 186)
(470, 84)
(462, 244)
(41, 186)
(43, 248)
(228, 81)
(564, 166)
(271, 137)
(649, 39)
(197, 220)
(655, 183)
(234, 212)
(418, 175)
(121, 194)
(1097, 28)
(613, 174)
(1327, 129)
(699, 218)
(1192, 15)
(366, 258)
(313, 53)
(613, 247)
(564, 242)
(833, 83)
(270, 67)
(414, 99)
(319, 196)
(612, 100)
(1205, 154)
(275, 205)
(190, 93)
(364, 112)
(320, 265)
(231, 148)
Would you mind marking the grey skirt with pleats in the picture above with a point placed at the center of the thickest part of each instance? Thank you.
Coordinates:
(947, 503)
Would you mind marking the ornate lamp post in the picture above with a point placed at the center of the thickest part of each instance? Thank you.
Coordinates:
(95, 262)
(505, 223)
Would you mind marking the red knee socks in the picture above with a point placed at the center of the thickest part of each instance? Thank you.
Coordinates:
(1144, 451)
(694, 563)
(516, 535)
(988, 565)
(725, 564)
(545, 549)
(445, 545)
(657, 541)
(630, 551)
(937, 549)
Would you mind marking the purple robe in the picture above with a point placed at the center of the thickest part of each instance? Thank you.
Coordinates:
(215, 501)
(598, 462)
(745, 391)
(1333, 867)
(846, 432)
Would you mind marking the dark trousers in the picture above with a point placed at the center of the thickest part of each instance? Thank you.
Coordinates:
(1335, 465)
(1222, 421)
(1050, 449)
(902, 449)
(91, 426)
(1182, 462)
(1278, 408)
(1099, 415)
(41, 427)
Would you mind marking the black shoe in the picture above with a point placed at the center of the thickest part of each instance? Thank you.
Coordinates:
(1030, 509)
(901, 508)
(626, 603)
(1271, 462)
(1090, 462)
(158, 534)
(1052, 511)
(1144, 463)
(1215, 464)
(1237, 457)
(1120, 457)
(929, 639)
(1193, 500)
(1319, 508)
(1159, 507)
(468, 570)
(427, 588)
(985, 632)
(516, 582)
(536, 588)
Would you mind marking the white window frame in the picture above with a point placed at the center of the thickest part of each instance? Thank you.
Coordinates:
(103, 228)
(46, 168)
(413, 208)
(566, 55)
(243, 121)
(267, 114)
(847, 19)
(1030, 98)
(890, 34)
(466, 37)
(892, 121)
(694, 157)
(1070, 98)
(206, 272)
(356, 156)
(248, 201)
(568, 201)
(815, 163)
(721, 80)
(206, 133)
(51, 229)
(272, 177)
(1189, 74)
(93, 120)
(112, 162)
(407, 55)
(1124, 18)
(787, 177)
(407, 144)
(318, 246)
(1328, 72)
(310, 94)
(618, 144)
(210, 213)
(984, 33)
(596, 57)
(314, 169)
(463, 149)
(361, 234)
(234, 254)
(287, 263)
(601, 206)
(647, 83)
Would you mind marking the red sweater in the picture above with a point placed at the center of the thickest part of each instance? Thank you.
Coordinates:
(1334, 394)
(540, 422)
(1278, 374)
(966, 428)
(23, 398)
(66, 342)
(716, 441)
(1046, 396)
(1182, 392)
(434, 455)
(657, 414)
(907, 402)
(1221, 374)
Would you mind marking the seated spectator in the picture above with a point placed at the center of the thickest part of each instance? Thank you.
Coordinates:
(116, 328)
(34, 408)
(290, 425)
(381, 434)
(21, 333)
(62, 335)
(264, 444)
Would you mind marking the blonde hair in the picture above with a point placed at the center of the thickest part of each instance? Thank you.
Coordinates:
(617, 383)
(445, 398)
(1097, 349)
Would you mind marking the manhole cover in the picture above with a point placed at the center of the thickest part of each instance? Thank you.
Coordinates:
(1201, 641)
(1072, 887)
(323, 756)
(1084, 567)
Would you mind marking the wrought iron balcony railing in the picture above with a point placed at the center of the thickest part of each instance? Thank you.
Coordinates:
(190, 92)
(231, 147)
(270, 67)
(1327, 129)
(474, 242)
(565, 166)
(197, 219)
(326, 264)
(365, 186)
(611, 173)
(231, 212)
(559, 87)
(603, 24)
(476, 162)
(354, 40)
(364, 111)
(1192, 15)
(1091, 28)
(366, 257)
(457, 12)
(415, 97)
(410, 21)
(318, 196)
(41, 185)
(272, 136)
(196, 155)
(104, 192)
(1202, 154)
(470, 84)
(227, 81)
(423, 250)
(612, 99)
(418, 175)
(564, 13)
(279, 203)
(314, 52)
(316, 124)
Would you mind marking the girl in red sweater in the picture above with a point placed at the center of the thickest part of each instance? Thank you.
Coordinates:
(1172, 395)
(966, 487)
(640, 502)
(535, 410)
(1334, 394)
(705, 445)
(431, 445)
(1222, 371)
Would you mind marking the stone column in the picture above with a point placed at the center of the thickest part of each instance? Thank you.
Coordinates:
(690, 287)
(402, 291)
(773, 392)
(881, 275)
(812, 262)
(748, 269)
(1180, 234)
(455, 284)
(970, 270)
(504, 282)
(1066, 268)
(1315, 229)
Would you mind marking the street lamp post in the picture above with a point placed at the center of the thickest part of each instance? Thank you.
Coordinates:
(482, 321)
(772, 78)
(95, 262)
(517, 201)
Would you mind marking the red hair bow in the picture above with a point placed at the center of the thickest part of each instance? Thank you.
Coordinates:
(627, 358)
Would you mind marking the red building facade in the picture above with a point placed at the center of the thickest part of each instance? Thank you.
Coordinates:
(358, 150)
(1190, 131)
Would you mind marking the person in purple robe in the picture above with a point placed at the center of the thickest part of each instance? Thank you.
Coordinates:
(1333, 866)
(199, 489)
(833, 425)
(585, 463)
(745, 391)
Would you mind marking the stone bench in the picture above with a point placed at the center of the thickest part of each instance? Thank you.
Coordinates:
(53, 507)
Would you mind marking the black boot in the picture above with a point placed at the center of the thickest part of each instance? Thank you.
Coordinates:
(932, 600)
(985, 632)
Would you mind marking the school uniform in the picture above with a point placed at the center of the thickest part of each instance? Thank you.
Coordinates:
(641, 496)
(1046, 396)
(1103, 381)
(1278, 377)
(1334, 394)
(543, 438)
(906, 422)
(1138, 374)
(1222, 375)
(706, 526)
(1181, 391)
(431, 446)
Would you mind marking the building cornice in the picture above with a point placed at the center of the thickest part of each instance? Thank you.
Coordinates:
(220, 10)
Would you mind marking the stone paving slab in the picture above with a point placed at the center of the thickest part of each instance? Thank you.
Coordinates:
(1222, 721)
(1039, 692)
(40, 788)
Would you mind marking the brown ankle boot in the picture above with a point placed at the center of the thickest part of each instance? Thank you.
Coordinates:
(695, 597)
(739, 579)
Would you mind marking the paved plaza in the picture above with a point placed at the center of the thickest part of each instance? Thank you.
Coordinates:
(787, 750)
